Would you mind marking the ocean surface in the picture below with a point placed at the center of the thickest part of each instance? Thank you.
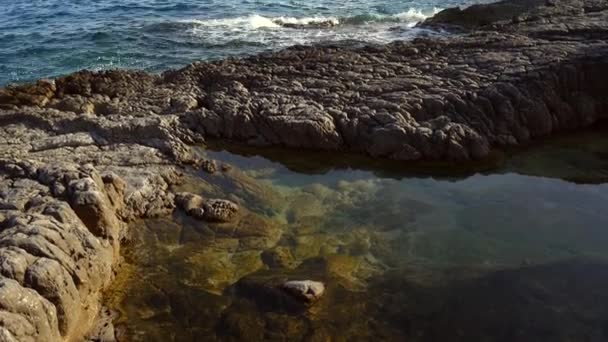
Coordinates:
(48, 38)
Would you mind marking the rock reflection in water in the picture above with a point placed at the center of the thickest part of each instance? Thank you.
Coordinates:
(501, 257)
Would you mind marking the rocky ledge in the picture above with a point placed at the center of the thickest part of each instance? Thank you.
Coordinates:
(82, 155)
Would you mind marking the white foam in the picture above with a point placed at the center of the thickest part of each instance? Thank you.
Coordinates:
(270, 31)
(255, 21)
(414, 15)
(252, 22)
(306, 20)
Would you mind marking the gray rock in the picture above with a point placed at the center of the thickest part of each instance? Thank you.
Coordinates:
(307, 290)
(84, 154)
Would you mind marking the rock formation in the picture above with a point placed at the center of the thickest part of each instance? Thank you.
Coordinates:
(307, 290)
(83, 154)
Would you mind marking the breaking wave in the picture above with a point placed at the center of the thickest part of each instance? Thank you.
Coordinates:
(255, 21)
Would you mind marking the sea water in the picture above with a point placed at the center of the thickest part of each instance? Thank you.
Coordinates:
(47, 38)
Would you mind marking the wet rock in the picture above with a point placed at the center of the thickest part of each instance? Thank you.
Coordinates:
(325, 24)
(528, 69)
(267, 294)
(209, 166)
(192, 204)
(306, 290)
(218, 210)
(280, 257)
(215, 269)
(482, 14)
(252, 230)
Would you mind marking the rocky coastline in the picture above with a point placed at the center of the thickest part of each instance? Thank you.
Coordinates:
(85, 154)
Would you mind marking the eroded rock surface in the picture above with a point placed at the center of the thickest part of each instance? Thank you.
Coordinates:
(66, 193)
(83, 154)
(531, 68)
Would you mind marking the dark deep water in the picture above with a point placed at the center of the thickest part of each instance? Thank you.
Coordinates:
(514, 254)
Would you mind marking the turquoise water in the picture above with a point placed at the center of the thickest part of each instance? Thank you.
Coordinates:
(516, 253)
(46, 38)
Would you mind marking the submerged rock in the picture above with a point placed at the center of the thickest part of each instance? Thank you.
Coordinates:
(192, 204)
(209, 166)
(307, 290)
(213, 210)
(219, 210)
(279, 257)
(452, 98)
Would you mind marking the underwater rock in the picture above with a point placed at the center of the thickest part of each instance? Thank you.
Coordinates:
(257, 195)
(219, 210)
(214, 269)
(279, 257)
(307, 290)
(209, 166)
(252, 230)
(438, 98)
(213, 210)
(190, 203)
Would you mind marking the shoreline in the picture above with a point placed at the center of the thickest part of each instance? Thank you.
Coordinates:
(85, 154)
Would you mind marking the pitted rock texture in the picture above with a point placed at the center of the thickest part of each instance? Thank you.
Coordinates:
(68, 185)
(52, 265)
(83, 154)
(212, 210)
(530, 68)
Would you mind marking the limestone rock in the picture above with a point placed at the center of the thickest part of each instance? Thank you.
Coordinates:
(307, 290)
(209, 166)
(218, 210)
(83, 154)
(190, 203)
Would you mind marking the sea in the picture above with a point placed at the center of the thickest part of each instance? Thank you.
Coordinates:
(49, 38)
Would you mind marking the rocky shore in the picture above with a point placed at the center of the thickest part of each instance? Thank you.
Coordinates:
(83, 155)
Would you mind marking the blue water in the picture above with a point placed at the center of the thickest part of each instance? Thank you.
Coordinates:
(47, 38)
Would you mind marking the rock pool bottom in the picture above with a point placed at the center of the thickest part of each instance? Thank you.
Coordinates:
(517, 254)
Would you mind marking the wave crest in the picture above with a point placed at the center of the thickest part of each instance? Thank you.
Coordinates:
(255, 21)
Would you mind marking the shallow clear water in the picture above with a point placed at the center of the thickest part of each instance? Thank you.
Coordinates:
(46, 38)
(515, 254)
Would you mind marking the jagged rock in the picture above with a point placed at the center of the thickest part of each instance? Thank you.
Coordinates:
(218, 210)
(525, 69)
(522, 70)
(483, 14)
(209, 166)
